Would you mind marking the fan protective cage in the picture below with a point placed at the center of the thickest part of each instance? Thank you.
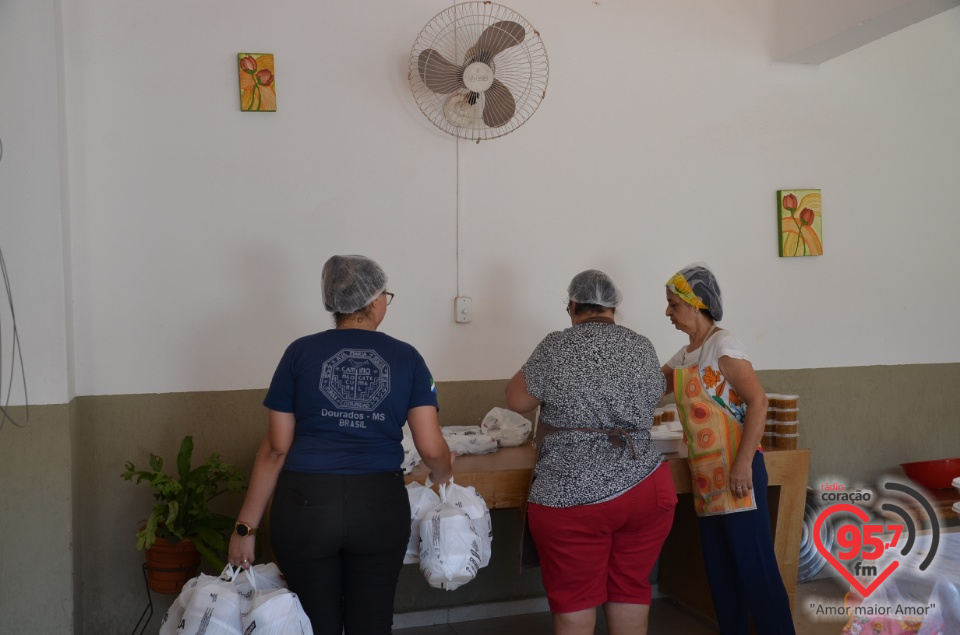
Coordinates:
(522, 69)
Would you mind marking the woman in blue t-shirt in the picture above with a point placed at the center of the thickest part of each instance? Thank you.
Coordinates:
(340, 516)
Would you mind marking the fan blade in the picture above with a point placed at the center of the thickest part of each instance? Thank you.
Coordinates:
(438, 74)
(499, 105)
(497, 37)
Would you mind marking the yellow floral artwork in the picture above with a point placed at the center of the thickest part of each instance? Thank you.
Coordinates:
(258, 85)
(801, 226)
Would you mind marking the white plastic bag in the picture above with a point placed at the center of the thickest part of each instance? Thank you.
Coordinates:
(507, 427)
(452, 543)
(411, 458)
(271, 610)
(268, 577)
(468, 440)
(473, 505)
(422, 501)
(174, 615)
(211, 606)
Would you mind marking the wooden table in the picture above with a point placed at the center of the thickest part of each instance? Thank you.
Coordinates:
(502, 479)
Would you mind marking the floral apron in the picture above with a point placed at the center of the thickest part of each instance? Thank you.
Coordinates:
(713, 436)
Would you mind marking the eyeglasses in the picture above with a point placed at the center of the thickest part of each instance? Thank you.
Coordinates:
(389, 296)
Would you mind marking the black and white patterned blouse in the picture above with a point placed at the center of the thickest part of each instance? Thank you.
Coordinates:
(593, 375)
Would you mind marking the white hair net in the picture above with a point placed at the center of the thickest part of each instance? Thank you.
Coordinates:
(350, 283)
(704, 286)
(594, 287)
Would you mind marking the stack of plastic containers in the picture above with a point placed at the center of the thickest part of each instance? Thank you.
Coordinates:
(783, 419)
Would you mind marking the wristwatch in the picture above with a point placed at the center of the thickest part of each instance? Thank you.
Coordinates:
(243, 529)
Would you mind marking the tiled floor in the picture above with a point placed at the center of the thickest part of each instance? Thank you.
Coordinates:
(666, 618)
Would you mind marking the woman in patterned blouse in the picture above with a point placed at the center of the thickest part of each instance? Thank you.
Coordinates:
(602, 499)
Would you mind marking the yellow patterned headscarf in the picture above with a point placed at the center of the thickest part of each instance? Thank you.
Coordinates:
(697, 285)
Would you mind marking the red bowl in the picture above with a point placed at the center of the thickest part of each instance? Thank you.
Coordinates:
(938, 474)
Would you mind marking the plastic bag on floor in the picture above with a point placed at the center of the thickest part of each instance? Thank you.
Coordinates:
(507, 427)
(422, 501)
(452, 543)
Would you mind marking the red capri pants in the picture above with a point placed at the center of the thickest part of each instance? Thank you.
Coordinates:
(593, 554)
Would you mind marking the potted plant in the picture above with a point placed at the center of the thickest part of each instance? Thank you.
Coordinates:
(181, 520)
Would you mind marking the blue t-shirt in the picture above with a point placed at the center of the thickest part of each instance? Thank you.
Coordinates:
(350, 391)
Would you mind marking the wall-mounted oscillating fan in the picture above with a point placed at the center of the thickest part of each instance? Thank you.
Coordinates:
(478, 70)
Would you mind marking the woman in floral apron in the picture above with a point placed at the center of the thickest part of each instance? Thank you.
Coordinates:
(723, 407)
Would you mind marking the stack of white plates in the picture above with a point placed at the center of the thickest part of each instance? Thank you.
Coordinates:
(956, 506)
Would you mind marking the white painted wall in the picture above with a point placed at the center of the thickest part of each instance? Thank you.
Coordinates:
(31, 226)
(815, 31)
(198, 232)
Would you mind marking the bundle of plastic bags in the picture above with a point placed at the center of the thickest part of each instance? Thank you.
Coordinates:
(469, 440)
(507, 427)
(237, 602)
(456, 538)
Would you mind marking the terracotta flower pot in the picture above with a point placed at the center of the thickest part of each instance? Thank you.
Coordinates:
(170, 566)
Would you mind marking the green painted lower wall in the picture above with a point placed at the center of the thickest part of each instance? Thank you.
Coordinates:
(68, 521)
(38, 523)
(861, 422)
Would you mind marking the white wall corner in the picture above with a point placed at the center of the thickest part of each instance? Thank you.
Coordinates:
(816, 31)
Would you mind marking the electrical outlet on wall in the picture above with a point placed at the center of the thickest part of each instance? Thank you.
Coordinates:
(462, 309)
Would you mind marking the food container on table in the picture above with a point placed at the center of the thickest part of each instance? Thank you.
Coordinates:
(768, 442)
(783, 414)
(783, 402)
(667, 441)
(785, 427)
(785, 441)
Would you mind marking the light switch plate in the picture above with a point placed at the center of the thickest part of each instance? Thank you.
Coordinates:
(462, 309)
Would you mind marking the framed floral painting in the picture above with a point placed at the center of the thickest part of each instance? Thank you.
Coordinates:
(801, 226)
(258, 85)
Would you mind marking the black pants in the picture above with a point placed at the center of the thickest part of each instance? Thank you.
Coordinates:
(339, 541)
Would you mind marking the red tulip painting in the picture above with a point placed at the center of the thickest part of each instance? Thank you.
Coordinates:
(258, 86)
(801, 227)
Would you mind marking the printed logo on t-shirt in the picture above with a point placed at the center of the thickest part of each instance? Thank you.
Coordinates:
(355, 379)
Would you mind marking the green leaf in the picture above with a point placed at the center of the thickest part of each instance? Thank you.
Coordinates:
(180, 509)
(183, 457)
